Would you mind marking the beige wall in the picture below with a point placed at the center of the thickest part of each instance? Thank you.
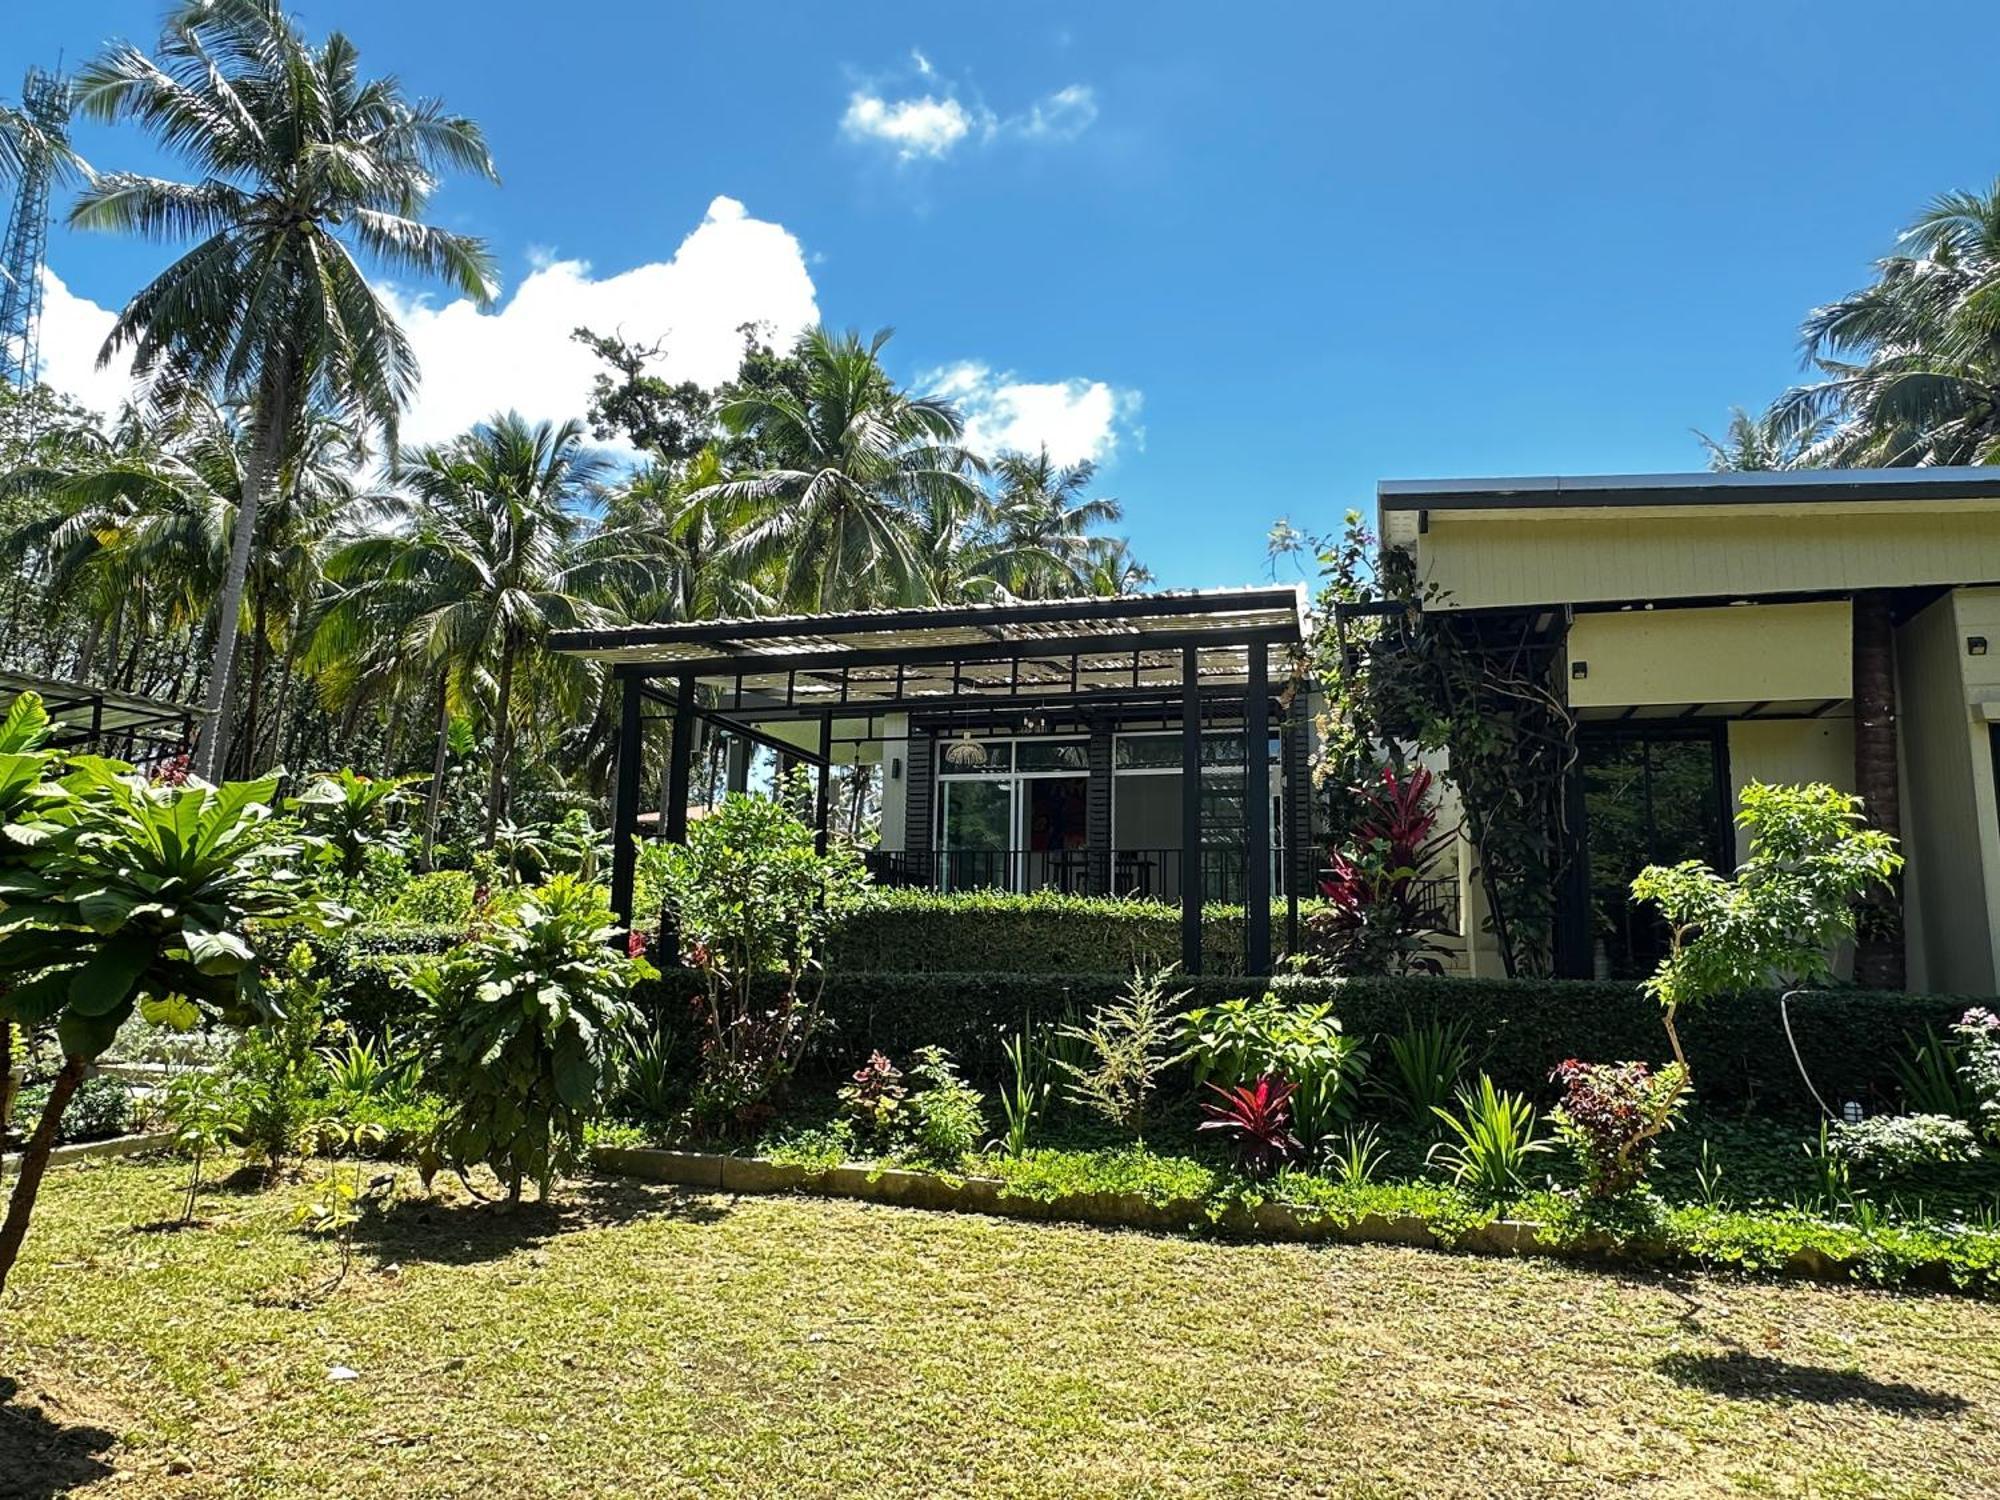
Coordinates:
(1782, 752)
(1748, 654)
(1490, 558)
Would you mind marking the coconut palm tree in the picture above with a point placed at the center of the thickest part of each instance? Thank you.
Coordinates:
(1045, 544)
(1750, 444)
(484, 553)
(1912, 361)
(302, 164)
(854, 460)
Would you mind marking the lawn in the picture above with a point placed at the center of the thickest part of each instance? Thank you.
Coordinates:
(649, 1341)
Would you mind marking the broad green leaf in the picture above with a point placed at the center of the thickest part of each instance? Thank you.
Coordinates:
(216, 952)
(105, 908)
(174, 1012)
(107, 978)
(87, 1036)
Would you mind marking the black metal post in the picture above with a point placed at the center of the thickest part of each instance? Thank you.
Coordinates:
(825, 807)
(1257, 815)
(680, 757)
(1190, 810)
(1286, 759)
(625, 798)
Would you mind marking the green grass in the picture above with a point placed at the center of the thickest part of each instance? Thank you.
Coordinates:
(645, 1341)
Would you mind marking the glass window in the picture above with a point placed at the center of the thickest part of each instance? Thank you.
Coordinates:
(1051, 755)
(961, 756)
(1220, 748)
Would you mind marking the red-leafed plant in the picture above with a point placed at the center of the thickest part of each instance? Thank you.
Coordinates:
(1376, 919)
(1612, 1115)
(1258, 1116)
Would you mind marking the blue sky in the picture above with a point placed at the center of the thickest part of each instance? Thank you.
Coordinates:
(1255, 258)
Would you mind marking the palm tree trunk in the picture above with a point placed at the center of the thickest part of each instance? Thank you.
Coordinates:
(259, 475)
(259, 655)
(500, 742)
(1878, 955)
(437, 771)
(35, 1163)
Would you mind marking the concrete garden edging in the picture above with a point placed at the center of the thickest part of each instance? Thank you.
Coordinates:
(118, 1145)
(901, 1187)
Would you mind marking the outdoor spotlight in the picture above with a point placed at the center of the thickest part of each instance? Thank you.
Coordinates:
(1579, 670)
(1975, 645)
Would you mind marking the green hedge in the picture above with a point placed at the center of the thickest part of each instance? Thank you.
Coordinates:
(984, 932)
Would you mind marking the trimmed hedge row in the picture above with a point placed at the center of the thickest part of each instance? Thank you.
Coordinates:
(1046, 932)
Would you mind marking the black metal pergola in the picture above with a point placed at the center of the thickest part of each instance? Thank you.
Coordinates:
(1176, 654)
(82, 714)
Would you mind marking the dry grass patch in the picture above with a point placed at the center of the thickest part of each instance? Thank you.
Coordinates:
(646, 1341)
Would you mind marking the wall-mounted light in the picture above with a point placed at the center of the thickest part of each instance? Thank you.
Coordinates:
(1975, 645)
(1578, 670)
(895, 768)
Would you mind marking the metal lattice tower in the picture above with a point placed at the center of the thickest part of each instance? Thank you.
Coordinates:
(45, 101)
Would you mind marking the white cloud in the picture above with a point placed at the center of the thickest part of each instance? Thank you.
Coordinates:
(913, 127)
(933, 124)
(1074, 419)
(73, 330)
(1062, 116)
(731, 270)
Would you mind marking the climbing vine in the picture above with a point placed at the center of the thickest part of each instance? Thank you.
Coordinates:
(1399, 682)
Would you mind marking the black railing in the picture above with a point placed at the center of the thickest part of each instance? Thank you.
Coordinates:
(1134, 874)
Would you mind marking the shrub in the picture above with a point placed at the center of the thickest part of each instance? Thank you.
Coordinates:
(1612, 1115)
(100, 1108)
(1373, 921)
(1240, 1040)
(1128, 1041)
(874, 1096)
(1892, 1145)
(1978, 1032)
(944, 1120)
(1257, 1116)
(525, 1032)
(438, 898)
(750, 896)
(1493, 1135)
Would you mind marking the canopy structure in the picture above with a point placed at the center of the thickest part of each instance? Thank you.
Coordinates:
(82, 714)
(1181, 653)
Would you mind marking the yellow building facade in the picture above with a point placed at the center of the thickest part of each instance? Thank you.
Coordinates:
(1707, 640)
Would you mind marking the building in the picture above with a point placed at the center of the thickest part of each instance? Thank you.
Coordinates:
(1702, 630)
(1143, 746)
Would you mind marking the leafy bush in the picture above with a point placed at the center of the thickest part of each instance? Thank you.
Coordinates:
(1373, 920)
(437, 898)
(874, 1097)
(276, 1076)
(1612, 1115)
(525, 1032)
(1128, 1041)
(1257, 1116)
(1892, 1145)
(1978, 1032)
(749, 896)
(1493, 1135)
(1025, 1094)
(100, 1108)
(944, 1119)
(1237, 1041)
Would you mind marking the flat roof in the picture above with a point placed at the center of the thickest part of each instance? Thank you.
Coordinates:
(84, 710)
(1768, 487)
(935, 654)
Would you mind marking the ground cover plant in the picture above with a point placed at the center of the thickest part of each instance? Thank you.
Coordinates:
(640, 1340)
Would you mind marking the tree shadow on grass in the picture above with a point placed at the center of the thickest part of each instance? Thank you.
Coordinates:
(40, 1456)
(453, 1228)
(1755, 1377)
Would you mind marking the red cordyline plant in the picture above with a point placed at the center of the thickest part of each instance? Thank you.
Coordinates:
(1374, 922)
(1258, 1116)
(1612, 1115)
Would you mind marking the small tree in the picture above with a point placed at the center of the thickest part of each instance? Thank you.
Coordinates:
(753, 902)
(526, 1033)
(1812, 858)
(353, 814)
(1128, 1043)
(129, 896)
